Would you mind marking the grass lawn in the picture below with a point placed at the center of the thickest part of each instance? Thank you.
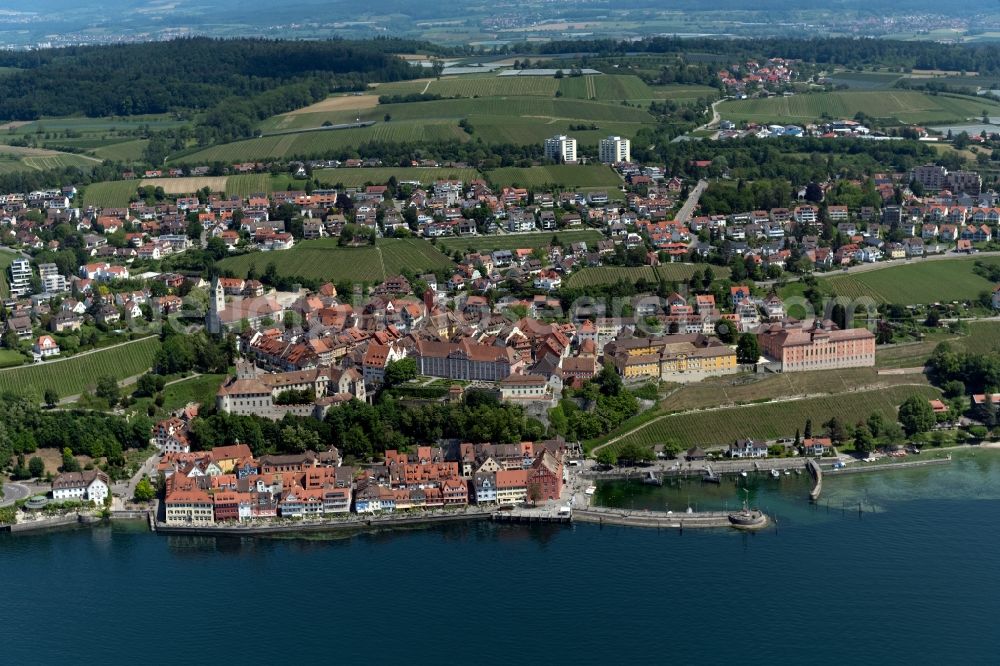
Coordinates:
(200, 389)
(779, 419)
(10, 358)
(518, 241)
(323, 260)
(906, 106)
(916, 282)
(78, 373)
(559, 176)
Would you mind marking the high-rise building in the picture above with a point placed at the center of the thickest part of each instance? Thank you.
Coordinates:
(615, 149)
(20, 278)
(561, 148)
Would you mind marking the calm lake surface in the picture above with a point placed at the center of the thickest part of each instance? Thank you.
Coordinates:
(911, 579)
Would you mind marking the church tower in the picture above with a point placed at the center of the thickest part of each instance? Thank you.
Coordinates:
(216, 304)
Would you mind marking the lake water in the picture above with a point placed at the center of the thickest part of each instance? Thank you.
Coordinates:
(912, 579)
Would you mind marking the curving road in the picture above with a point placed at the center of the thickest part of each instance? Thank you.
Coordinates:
(13, 492)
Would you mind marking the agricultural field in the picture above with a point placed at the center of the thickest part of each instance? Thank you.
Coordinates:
(78, 373)
(125, 151)
(607, 87)
(110, 194)
(604, 275)
(246, 184)
(866, 80)
(489, 86)
(522, 119)
(186, 185)
(681, 92)
(323, 260)
(381, 175)
(918, 282)
(559, 176)
(771, 420)
(983, 337)
(517, 241)
(905, 106)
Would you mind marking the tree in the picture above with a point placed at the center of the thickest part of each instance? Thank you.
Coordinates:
(747, 349)
(36, 467)
(69, 463)
(863, 440)
(607, 456)
(397, 372)
(144, 491)
(916, 415)
(835, 430)
(107, 388)
(51, 397)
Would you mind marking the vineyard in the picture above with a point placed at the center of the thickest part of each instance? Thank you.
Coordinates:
(244, 185)
(906, 106)
(323, 260)
(186, 185)
(111, 194)
(606, 87)
(381, 175)
(78, 374)
(921, 282)
(768, 421)
(557, 175)
(603, 275)
(518, 241)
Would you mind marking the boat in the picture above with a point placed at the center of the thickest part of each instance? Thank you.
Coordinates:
(743, 474)
(787, 473)
(798, 472)
(590, 490)
(775, 473)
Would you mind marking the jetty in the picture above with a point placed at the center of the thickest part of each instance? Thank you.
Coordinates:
(817, 473)
(749, 519)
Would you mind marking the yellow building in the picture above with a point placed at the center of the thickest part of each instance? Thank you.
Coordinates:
(679, 358)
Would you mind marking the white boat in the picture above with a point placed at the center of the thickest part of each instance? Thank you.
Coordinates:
(743, 474)
(775, 473)
(590, 490)
(788, 473)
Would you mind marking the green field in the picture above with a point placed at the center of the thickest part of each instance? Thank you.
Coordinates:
(771, 420)
(518, 241)
(78, 374)
(200, 389)
(486, 86)
(559, 176)
(604, 275)
(905, 106)
(114, 193)
(381, 175)
(6, 257)
(323, 260)
(918, 282)
(607, 87)
(10, 358)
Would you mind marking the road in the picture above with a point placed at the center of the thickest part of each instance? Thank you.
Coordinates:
(126, 490)
(684, 214)
(878, 265)
(13, 492)
(128, 381)
(714, 122)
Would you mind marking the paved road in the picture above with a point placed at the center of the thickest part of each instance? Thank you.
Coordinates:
(126, 489)
(13, 492)
(684, 214)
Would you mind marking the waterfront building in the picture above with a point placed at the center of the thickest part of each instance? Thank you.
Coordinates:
(86, 486)
(799, 346)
